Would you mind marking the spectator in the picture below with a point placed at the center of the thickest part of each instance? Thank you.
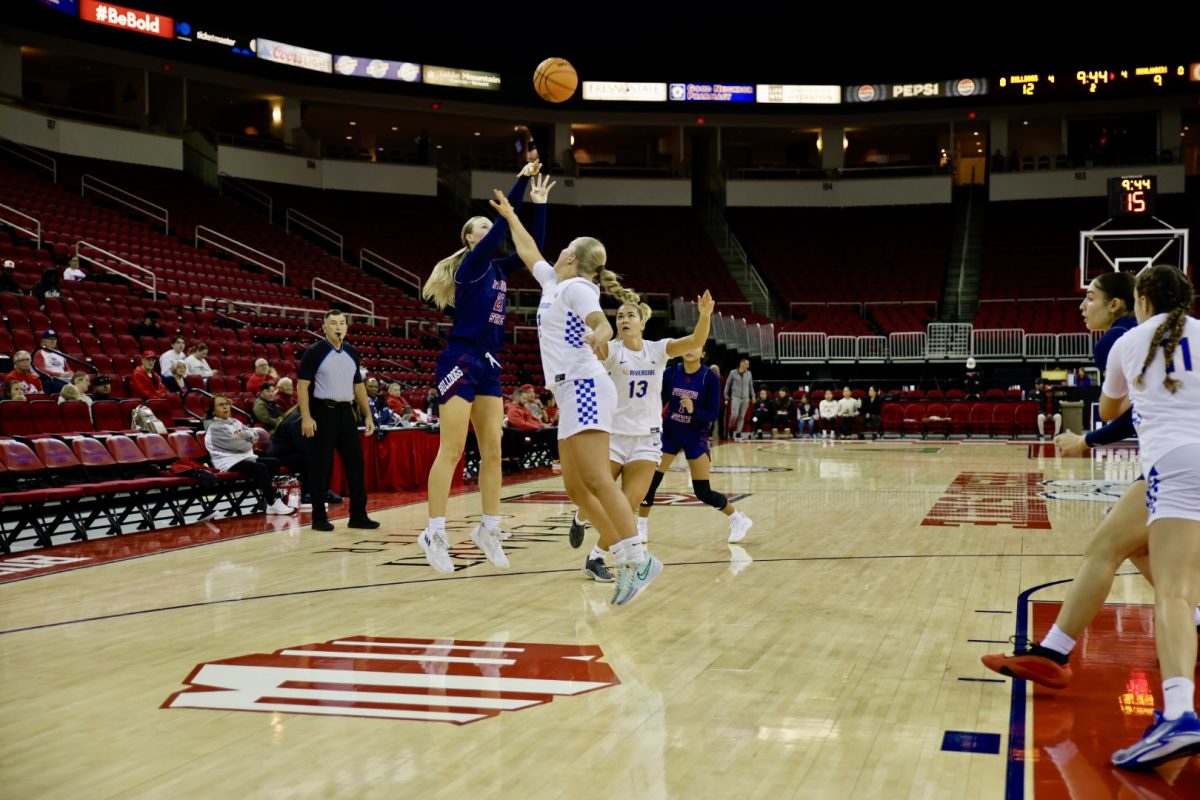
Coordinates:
(7, 284)
(262, 374)
(197, 361)
(73, 272)
(52, 363)
(285, 395)
(23, 373)
(266, 411)
(763, 413)
(102, 389)
(145, 381)
(739, 392)
(398, 405)
(176, 382)
(380, 413)
(168, 360)
(82, 382)
(1081, 378)
(431, 402)
(48, 286)
(848, 412)
(69, 393)
(518, 416)
(783, 413)
(290, 447)
(551, 405)
(1049, 407)
(149, 327)
(872, 414)
(530, 400)
(14, 390)
(722, 421)
(827, 421)
(231, 446)
(806, 415)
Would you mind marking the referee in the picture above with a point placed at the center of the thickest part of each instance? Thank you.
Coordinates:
(329, 383)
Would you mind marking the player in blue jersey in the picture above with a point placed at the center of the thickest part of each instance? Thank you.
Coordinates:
(695, 401)
(468, 373)
(1107, 307)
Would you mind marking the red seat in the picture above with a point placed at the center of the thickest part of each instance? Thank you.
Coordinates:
(1026, 419)
(893, 418)
(960, 418)
(106, 416)
(45, 417)
(15, 419)
(981, 419)
(1004, 419)
(914, 418)
(76, 417)
(936, 426)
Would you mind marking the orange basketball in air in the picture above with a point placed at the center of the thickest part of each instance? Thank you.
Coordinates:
(555, 80)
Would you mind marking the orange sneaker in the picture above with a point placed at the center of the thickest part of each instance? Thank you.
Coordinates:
(1032, 663)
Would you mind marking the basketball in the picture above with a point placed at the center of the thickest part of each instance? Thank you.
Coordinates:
(555, 80)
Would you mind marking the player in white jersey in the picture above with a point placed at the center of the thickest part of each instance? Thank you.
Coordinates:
(636, 368)
(1152, 370)
(571, 328)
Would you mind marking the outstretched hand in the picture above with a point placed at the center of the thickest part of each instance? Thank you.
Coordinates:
(540, 188)
(530, 169)
(706, 303)
(501, 204)
(1071, 444)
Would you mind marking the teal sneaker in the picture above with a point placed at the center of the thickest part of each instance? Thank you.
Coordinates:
(633, 578)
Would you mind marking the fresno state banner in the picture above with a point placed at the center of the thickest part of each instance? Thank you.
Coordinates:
(430, 680)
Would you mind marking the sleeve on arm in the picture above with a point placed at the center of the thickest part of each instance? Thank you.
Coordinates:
(309, 363)
(477, 262)
(1115, 431)
(582, 299)
(513, 262)
(1115, 385)
(357, 365)
(543, 273)
(710, 407)
(516, 195)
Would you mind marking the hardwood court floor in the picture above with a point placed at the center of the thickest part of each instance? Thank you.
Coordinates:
(827, 657)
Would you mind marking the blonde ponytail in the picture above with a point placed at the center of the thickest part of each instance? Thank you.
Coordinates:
(439, 287)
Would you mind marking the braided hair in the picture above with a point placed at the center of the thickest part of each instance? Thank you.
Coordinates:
(1168, 291)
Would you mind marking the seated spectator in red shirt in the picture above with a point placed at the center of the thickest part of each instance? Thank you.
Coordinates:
(24, 374)
(285, 395)
(519, 417)
(145, 382)
(399, 406)
(262, 373)
(551, 407)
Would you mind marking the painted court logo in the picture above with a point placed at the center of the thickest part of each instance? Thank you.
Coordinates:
(1094, 491)
(429, 680)
(661, 499)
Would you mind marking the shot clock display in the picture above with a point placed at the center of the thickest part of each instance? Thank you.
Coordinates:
(1092, 80)
(1132, 196)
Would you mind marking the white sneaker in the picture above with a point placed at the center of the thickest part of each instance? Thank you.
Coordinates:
(738, 527)
(280, 508)
(739, 559)
(488, 540)
(437, 550)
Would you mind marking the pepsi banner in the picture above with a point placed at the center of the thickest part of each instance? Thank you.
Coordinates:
(877, 92)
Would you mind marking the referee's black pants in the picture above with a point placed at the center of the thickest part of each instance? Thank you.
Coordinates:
(336, 430)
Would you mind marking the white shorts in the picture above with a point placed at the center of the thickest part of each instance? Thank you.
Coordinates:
(623, 449)
(1173, 485)
(585, 404)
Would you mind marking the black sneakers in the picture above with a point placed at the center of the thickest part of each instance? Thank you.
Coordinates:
(364, 522)
(594, 568)
(321, 525)
(577, 530)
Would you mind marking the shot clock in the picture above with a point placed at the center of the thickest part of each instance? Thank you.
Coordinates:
(1132, 196)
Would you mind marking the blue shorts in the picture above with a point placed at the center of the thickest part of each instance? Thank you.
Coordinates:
(693, 445)
(466, 374)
